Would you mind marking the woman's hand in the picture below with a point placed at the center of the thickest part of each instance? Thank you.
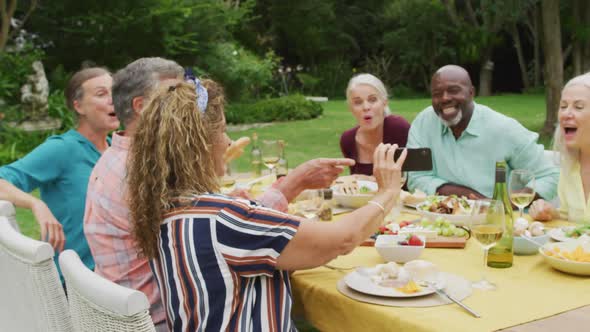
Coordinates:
(542, 210)
(51, 229)
(387, 171)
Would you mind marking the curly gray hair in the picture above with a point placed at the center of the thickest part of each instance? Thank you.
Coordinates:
(139, 79)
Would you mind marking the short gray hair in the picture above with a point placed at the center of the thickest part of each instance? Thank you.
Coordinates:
(370, 80)
(139, 79)
(569, 156)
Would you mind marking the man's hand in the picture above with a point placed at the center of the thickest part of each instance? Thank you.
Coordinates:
(313, 174)
(454, 189)
(51, 229)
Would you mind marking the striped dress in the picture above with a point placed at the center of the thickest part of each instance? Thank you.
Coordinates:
(216, 266)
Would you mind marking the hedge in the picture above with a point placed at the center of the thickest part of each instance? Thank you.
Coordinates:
(294, 107)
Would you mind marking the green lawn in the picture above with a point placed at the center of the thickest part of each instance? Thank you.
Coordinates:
(319, 137)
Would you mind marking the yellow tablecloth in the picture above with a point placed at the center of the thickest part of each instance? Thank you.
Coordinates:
(528, 291)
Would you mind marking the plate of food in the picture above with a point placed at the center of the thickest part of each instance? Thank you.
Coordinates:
(455, 209)
(352, 192)
(412, 200)
(570, 233)
(392, 280)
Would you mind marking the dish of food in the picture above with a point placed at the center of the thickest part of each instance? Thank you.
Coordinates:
(350, 192)
(570, 233)
(571, 257)
(387, 280)
(455, 209)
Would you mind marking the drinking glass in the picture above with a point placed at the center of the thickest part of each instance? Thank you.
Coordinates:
(271, 152)
(488, 223)
(309, 203)
(521, 188)
(404, 179)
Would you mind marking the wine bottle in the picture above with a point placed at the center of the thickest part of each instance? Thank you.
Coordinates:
(501, 255)
(255, 156)
(282, 167)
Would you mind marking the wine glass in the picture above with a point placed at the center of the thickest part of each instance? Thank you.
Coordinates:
(488, 223)
(403, 179)
(309, 203)
(271, 151)
(521, 188)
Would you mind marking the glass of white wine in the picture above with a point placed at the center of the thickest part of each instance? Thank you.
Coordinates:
(271, 152)
(488, 223)
(309, 203)
(521, 188)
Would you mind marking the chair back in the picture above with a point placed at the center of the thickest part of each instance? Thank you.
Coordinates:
(97, 304)
(7, 210)
(31, 295)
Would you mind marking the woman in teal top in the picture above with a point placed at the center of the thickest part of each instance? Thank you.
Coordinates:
(61, 166)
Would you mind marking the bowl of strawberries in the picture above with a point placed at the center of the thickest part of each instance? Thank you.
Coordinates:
(400, 248)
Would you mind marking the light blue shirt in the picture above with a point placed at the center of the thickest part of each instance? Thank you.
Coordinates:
(60, 168)
(470, 160)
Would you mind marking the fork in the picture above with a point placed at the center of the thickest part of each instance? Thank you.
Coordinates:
(441, 292)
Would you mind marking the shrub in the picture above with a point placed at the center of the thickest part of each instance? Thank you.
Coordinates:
(15, 68)
(294, 107)
(242, 73)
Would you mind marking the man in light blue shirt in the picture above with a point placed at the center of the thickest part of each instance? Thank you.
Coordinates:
(467, 139)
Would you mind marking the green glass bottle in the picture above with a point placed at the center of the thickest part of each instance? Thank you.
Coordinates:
(501, 255)
(256, 156)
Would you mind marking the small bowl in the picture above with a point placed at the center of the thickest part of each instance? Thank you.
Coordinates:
(525, 247)
(387, 246)
(573, 267)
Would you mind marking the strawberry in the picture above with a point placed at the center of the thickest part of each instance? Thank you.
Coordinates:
(414, 240)
(404, 224)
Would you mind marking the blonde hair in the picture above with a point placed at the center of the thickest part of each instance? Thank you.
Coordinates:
(569, 156)
(171, 156)
(372, 81)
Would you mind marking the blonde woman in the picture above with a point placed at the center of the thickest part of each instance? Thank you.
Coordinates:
(572, 140)
(367, 100)
(221, 262)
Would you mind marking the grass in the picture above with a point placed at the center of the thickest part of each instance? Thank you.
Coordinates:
(320, 137)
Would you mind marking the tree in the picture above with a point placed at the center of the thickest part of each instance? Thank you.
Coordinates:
(480, 23)
(553, 61)
(7, 12)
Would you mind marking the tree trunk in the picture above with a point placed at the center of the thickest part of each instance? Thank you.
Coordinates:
(521, 63)
(577, 43)
(586, 41)
(485, 76)
(537, 44)
(553, 62)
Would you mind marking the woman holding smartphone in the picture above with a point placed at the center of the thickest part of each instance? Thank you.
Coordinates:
(367, 100)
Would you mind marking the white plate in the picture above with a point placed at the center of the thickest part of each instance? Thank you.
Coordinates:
(363, 283)
(558, 234)
(579, 268)
(457, 219)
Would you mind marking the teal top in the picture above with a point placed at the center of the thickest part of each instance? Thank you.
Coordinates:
(60, 168)
(471, 159)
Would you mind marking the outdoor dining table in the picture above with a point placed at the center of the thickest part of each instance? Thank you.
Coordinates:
(527, 294)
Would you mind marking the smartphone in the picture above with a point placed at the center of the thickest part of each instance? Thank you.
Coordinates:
(419, 159)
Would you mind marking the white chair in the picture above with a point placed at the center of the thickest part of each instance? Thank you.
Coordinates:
(31, 295)
(7, 210)
(97, 304)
